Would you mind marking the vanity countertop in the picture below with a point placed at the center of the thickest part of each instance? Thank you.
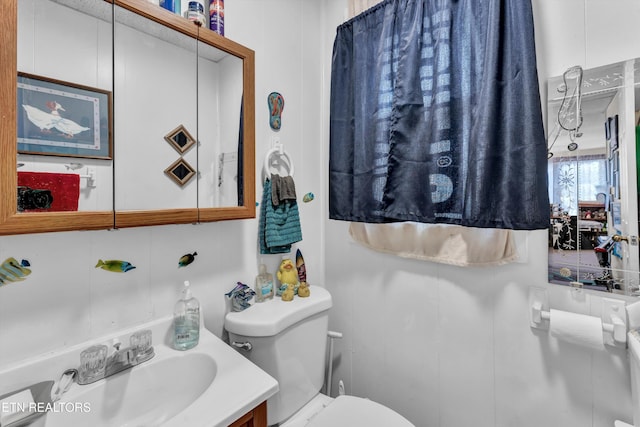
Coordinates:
(238, 385)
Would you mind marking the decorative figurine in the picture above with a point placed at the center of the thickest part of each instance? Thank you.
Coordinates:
(186, 259)
(13, 271)
(303, 289)
(115, 266)
(288, 277)
(288, 293)
(240, 296)
(275, 101)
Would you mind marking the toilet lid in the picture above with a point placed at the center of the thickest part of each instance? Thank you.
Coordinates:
(349, 411)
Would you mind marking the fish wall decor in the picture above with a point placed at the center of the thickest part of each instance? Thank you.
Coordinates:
(13, 271)
(115, 266)
(186, 259)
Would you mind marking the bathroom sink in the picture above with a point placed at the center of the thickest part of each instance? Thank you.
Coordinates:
(211, 385)
(148, 395)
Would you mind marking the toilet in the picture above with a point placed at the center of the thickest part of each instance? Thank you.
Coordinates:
(633, 339)
(288, 340)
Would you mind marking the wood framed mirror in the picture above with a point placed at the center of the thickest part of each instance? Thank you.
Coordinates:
(100, 176)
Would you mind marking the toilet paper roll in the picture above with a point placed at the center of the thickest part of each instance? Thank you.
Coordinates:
(633, 311)
(578, 329)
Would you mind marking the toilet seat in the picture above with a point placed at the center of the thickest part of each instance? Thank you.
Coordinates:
(348, 411)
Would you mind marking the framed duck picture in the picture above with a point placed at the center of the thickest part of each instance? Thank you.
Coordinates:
(58, 118)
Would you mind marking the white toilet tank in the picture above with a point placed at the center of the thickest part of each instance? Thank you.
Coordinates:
(288, 341)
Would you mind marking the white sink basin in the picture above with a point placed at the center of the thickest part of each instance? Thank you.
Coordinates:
(210, 385)
(146, 395)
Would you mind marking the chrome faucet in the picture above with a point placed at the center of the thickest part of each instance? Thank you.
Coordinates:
(97, 363)
(119, 360)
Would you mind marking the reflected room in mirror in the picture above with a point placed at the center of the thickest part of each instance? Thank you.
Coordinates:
(592, 170)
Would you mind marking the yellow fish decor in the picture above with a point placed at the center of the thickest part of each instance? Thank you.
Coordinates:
(13, 271)
(186, 259)
(303, 289)
(115, 266)
(308, 197)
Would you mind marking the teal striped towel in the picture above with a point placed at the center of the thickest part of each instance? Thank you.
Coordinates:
(278, 226)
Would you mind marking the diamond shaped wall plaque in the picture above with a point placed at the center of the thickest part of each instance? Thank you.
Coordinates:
(180, 171)
(180, 139)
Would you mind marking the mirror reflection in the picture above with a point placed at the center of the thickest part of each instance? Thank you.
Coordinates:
(64, 160)
(107, 89)
(156, 92)
(592, 170)
(173, 88)
(220, 92)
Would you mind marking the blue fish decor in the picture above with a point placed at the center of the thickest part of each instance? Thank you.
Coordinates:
(13, 271)
(115, 266)
(308, 197)
(186, 259)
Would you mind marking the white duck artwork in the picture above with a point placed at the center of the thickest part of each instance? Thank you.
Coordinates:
(46, 121)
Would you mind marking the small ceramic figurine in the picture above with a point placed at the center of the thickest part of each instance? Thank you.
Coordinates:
(288, 294)
(303, 290)
(287, 275)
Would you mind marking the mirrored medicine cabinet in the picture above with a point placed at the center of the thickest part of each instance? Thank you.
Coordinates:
(593, 134)
(119, 113)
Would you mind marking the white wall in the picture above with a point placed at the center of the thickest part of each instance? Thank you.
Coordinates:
(448, 346)
(445, 346)
(66, 300)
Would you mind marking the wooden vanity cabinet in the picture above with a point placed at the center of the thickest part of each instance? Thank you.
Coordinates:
(255, 418)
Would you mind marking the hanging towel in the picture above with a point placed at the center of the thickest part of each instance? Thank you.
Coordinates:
(278, 226)
(448, 244)
(64, 188)
(283, 188)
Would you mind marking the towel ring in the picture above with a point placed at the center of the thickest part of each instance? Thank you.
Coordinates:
(280, 151)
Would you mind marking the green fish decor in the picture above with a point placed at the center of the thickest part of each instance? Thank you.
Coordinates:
(115, 266)
(13, 271)
(186, 259)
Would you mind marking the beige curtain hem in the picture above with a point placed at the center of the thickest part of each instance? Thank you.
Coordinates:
(442, 243)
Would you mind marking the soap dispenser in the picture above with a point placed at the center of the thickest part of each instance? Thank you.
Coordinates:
(264, 284)
(186, 320)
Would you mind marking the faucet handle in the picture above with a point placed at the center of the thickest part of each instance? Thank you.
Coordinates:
(93, 363)
(141, 344)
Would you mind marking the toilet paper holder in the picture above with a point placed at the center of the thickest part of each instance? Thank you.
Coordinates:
(614, 323)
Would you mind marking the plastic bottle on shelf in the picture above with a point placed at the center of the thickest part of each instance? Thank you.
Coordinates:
(186, 320)
(216, 16)
(264, 284)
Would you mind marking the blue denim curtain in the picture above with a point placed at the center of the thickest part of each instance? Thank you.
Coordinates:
(436, 116)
